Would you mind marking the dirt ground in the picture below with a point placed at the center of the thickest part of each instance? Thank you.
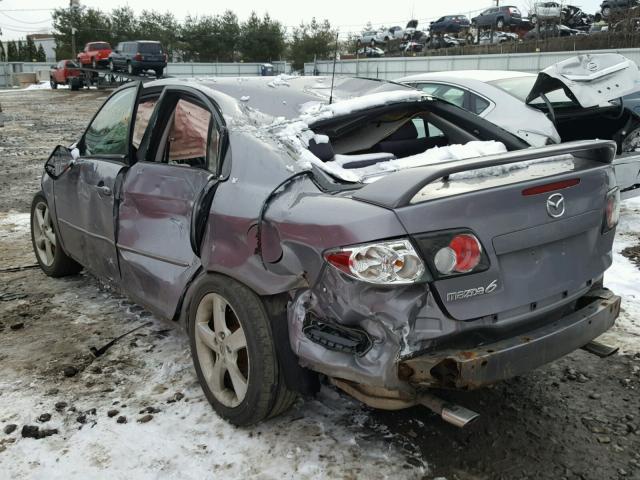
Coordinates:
(578, 418)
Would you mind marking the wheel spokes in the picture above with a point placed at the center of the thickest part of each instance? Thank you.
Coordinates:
(219, 315)
(236, 340)
(238, 380)
(208, 337)
(216, 379)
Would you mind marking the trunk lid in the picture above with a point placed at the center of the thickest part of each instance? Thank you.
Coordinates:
(536, 259)
(589, 80)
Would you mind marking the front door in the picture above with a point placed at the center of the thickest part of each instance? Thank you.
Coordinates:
(177, 165)
(84, 195)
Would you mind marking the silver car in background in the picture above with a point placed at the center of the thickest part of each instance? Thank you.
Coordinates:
(583, 97)
(481, 92)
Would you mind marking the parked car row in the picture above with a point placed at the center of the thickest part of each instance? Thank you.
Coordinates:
(132, 57)
(545, 20)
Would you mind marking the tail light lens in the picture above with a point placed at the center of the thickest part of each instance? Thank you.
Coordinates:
(451, 253)
(384, 263)
(137, 57)
(612, 210)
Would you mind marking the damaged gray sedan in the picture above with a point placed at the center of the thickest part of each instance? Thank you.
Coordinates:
(368, 234)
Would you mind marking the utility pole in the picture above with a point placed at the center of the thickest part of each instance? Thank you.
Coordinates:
(72, 5)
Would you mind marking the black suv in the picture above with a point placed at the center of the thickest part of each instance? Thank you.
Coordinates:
(498, 17)
(615, 6)
(139, 56)
(449, 24)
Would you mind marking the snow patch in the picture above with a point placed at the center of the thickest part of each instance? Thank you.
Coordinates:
(14, 224)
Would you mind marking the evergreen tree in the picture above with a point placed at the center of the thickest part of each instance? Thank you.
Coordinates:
(312, 40)
(31, 51)
(12, 52)
(41, 56)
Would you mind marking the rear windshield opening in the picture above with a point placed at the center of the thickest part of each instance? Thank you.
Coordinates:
(149, 48)
(100, 46)
(365, 148)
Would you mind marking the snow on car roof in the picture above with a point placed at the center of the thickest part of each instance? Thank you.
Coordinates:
(287, 97)
(481, 75)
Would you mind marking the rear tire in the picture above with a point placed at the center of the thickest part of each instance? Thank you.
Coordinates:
(159, 72)
(234, 353)
(112, 67)
(500, 24)
(130, 69)
(45, 241)
(94, 64)
(53, 83)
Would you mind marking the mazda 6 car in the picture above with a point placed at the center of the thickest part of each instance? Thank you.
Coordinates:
(358, 232)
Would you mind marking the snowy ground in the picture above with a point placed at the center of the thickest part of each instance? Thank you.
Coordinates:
(578, 418)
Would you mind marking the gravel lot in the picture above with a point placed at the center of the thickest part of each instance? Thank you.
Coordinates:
(137, 412)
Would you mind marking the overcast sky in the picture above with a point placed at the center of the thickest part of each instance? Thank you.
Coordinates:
(20, 17)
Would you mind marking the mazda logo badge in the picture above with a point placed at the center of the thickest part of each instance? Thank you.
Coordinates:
(555, 205)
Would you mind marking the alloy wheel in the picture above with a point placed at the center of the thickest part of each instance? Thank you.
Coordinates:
(44, 234)
(221, 347)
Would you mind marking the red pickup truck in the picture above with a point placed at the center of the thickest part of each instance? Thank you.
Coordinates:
(95, 54)
(66, 72)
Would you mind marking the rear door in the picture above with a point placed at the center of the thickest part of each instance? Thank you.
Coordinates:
(84, 196)
(166, 196)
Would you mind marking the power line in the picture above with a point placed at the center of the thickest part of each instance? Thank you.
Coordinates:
(24, 21)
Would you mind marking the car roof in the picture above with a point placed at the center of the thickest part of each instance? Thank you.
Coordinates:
(243, 98)
(479, 75)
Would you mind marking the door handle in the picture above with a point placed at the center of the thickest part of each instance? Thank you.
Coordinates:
(104, 190)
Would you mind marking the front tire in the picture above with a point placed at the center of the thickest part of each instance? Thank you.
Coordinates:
(112, 67)
(234, 353)
(53, 83)
(44, 238)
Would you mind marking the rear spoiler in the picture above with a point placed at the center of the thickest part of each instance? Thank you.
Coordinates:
(397, 189)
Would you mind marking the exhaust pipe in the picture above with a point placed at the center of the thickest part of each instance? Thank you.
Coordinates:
(378, 397)
(450, 412)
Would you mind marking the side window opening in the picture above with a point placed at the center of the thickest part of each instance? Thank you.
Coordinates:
(192, 139)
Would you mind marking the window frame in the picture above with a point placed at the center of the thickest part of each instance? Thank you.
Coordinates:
(151, 141)
(466, 100)
(124, 159)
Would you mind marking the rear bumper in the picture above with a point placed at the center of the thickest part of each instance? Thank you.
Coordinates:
(144, 65)
(468, 369)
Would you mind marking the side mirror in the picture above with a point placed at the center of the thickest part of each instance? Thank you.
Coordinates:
(60, 160)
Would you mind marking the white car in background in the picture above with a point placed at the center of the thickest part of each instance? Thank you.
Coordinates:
(583, 97)
(545, 11)
(481, 92)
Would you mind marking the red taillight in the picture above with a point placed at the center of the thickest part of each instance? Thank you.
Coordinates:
(462, 255)
(137, 57)
(612, 210)
(550, 187)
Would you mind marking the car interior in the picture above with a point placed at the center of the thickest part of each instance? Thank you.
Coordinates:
(366, 139)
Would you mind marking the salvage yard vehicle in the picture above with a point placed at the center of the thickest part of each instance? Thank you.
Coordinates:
(66, 72)
(545, 11)
(138, 57)
(498, 18)
(564, 102)
(297, 238)
(95, 54)
(449, 24)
